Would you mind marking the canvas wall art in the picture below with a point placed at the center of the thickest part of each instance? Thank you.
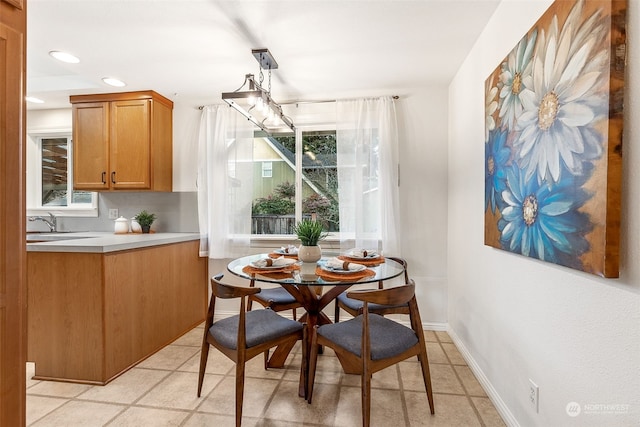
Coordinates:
(553, 139)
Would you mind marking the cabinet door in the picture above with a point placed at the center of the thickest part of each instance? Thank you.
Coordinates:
(91, 146)
(130, 144)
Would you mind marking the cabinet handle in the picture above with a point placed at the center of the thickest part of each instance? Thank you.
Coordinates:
(113, 177)
(104, 177)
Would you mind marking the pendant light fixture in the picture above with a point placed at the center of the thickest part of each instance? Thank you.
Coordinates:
(254, 101)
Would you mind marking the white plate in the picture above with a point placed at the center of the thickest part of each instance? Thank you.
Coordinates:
(373, 255)
(342, 271)
(281, 252)
(271, 267)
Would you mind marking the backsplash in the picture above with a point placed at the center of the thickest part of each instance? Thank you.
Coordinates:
(176, 212)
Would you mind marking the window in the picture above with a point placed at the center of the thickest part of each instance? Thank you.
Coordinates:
(267, 169)
(308, 163)
(53, 179)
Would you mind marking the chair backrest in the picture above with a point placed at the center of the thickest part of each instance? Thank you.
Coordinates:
(389, 296)
(225, 291)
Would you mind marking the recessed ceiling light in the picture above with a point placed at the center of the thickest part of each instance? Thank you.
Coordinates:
(113, 82)
(64, 57)
(33, 99)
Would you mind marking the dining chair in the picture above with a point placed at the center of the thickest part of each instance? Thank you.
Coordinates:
(246, 335)
(277, 299)
(354, 307)
(369, 342)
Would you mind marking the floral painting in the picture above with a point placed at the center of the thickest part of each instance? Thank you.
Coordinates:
(553, 139)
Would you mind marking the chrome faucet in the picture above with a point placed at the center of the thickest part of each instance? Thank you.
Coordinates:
(51, 222)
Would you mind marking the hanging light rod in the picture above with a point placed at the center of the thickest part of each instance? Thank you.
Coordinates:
(254, 101)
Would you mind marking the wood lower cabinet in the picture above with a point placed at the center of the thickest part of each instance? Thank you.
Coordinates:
(93, 316)
(122, 141)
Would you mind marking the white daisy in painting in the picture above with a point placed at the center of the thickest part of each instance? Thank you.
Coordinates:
(517, 80)
(557, 127)
(490, 106)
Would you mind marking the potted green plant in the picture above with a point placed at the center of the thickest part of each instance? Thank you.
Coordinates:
(309, 232)
(145, 219)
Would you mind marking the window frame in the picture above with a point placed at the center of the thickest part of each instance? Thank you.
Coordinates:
(34, 168)
(266, 240)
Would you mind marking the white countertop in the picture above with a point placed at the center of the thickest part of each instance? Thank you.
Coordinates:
(104, 242)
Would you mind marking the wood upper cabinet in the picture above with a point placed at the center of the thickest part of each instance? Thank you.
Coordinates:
(122, 141)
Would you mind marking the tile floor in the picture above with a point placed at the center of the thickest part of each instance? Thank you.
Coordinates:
(161, 391)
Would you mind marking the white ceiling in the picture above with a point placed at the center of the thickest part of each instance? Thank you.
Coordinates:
(193, 50)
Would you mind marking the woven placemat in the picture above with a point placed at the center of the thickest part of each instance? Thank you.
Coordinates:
(274, 273)
(344, 277)
(277, 255)
(368, 262)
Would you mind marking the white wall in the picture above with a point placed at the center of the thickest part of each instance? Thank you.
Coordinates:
(574, 334)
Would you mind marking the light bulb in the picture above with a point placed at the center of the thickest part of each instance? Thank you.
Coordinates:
(251, 100)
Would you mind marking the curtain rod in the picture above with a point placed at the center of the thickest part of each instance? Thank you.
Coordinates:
(320, 101)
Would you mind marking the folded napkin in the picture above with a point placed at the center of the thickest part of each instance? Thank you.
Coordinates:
(290, 249)
(271, 262)
(362, 253)
(343, 265)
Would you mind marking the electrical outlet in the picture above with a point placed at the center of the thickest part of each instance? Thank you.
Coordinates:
(534, 393)
(113, 213)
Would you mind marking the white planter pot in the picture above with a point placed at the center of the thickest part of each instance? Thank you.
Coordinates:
(309, 253)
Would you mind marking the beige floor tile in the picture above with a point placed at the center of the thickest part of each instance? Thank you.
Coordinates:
(169, 358)
(443, 336)
(217, 363)
(76, 413)
(255, 369)
(469, 381)
(287, 406)
(58, 389)
(179, 391)
(137, 417)
(38, 406)
(193, 338)
(430, 336)
(386, 408)
(443, 378)
(488, 412)
(435, 353)
(450, 411)
(127, 388)
(454, 355)
(217, 420)
(257, 392)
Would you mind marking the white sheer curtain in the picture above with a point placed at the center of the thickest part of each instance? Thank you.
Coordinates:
(368, 174)
(225, 182)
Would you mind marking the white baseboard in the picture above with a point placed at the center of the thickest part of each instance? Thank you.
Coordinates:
(501, 407)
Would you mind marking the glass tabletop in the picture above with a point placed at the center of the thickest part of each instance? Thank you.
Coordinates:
(306, 273)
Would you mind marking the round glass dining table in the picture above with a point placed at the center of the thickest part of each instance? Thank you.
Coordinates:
(313, 285)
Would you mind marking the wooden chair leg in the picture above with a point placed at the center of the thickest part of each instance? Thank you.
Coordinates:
(336, 314)
(366, 399)
(313, 359)
(239, 391)
(204, 354)
(426, 376)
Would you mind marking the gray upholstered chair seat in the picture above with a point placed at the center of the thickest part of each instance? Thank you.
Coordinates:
(276, 295)
(261, 326)
(391, 338)
(356, 305)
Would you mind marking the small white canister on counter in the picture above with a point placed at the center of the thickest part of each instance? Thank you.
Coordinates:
(121, 225)
(135, 226)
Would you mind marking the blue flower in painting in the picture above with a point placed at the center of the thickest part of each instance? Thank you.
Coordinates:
(543, 221)
(496, 156)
